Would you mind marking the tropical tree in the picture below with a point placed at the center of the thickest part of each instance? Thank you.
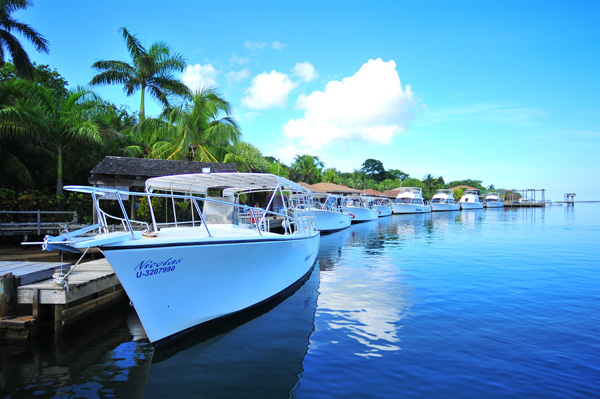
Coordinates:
(202, 127)
(247, 157)
(278, 168)
(307, 168)
(64, 124)
(150, 70)
(331, 175)
(374, 169)
(8, 42)
(17, 139)
(429, 181)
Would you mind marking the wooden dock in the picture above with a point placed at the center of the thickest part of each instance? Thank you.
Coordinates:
(91, 287)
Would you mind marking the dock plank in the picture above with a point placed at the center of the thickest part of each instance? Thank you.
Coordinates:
(31, 272)
(86, 279)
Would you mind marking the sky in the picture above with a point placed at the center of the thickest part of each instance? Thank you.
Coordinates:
(506, 92)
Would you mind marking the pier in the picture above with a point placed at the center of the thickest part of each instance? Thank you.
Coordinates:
(524, 198)
(33, 301)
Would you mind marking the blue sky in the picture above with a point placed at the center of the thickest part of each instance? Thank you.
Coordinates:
(507, 92)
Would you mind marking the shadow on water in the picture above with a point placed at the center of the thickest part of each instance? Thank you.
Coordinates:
(260, 358)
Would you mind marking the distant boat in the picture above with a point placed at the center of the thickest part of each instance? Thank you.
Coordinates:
(361, 208)
(471, 200)
(493, 200)
(410, 200)
(443, 200)
(214, 257)
(331, 212)
(383, 205)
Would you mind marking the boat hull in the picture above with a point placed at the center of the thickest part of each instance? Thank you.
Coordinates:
(471, 205)
(494, 205)
(399, 208)
(362, 214)
(328, 221)
(383, 210)
(175, 287)
(445, 207)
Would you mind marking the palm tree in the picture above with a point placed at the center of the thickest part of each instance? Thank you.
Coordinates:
(66, 123)
(150, 70)
(17, 139)
(9, 42)
(279, 169)
(307, 168)
(150, 139)
(331, 175)
(247, 157)
(203, 127)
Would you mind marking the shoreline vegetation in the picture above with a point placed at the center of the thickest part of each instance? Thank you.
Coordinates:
(52, 134)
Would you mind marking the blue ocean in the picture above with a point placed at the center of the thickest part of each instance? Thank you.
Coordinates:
(473, 304)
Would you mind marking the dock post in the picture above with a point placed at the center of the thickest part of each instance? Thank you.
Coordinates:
(58, 321)
(8, 295)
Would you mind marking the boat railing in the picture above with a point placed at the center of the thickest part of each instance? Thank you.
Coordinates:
(261, 223)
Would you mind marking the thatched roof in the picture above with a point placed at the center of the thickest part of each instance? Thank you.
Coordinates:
(392, 193)
(122, 171)
(463, 187)
(332, 188)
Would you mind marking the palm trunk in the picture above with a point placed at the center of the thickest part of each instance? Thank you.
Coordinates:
(59, 173)
(142, 110)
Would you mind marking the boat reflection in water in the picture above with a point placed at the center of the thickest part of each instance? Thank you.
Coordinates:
(261, 358)
(368, 311)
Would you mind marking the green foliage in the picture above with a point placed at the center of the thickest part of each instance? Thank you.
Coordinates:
(33, 200)
(374, 169)
(10, 45)
(307, 169)
(150, 70)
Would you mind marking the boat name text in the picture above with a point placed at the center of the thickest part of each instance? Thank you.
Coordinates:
(150, 264)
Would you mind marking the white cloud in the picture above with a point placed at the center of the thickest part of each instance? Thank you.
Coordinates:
(239, 60)
(255, 45)
(237, 76)
(369, 106)
(278, 46)
(305, 71)
(262, 45)
(269, 89)
(197, 76)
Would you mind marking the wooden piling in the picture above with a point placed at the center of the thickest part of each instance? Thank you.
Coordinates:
(8, 295)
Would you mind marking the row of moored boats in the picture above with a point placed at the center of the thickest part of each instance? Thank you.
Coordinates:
(206, 255)
(336, 211)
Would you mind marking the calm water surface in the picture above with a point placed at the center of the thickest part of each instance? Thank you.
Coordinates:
(477, 304)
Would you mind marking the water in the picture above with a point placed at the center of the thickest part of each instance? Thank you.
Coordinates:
(478, 304)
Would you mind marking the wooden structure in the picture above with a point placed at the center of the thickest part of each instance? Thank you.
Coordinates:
(91, 287)
(570, 199)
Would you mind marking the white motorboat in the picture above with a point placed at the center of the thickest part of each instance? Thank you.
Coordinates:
(470, 200)
(331, 212)
(493, 200)
(383, 205)
(361, 208)
(410, 200)
(443, 200)
(223, 258)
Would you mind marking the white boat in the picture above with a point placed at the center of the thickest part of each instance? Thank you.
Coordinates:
(331, 212)
(410, 200)
(224, 258)
(493, 200)
(443, 200)
(383, 205)
(470, 200)
(361, 208)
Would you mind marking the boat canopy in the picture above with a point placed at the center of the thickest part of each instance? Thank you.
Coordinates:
(201, 182)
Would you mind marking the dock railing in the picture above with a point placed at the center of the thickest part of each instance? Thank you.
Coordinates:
(17, 222)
